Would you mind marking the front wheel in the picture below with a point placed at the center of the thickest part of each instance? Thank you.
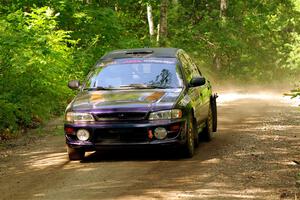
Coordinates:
(75, 154)
(189, 148)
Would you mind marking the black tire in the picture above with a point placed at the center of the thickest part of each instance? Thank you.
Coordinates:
(75, 154)
(208, 130)
(189, 146)
(196, 133)
(214, 111)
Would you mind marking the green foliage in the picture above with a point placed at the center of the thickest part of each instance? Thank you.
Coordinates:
(293, 56)
(295, 93)
(35, 61)
(102, 26)
(43, 44)
(42, 48)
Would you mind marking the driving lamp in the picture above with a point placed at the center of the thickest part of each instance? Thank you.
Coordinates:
(82, 134)
(160, 133)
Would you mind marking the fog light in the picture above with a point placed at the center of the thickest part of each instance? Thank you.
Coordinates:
(83, 134)
(160, 133)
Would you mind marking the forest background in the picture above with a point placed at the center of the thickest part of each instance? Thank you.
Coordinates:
(46, 43)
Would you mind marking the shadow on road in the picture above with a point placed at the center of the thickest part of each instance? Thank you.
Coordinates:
(115, 155)
(251, 157)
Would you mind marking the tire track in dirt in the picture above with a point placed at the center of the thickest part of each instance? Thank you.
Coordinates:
(251, 157)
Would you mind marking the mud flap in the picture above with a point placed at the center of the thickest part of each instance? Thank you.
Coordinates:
(213, 104)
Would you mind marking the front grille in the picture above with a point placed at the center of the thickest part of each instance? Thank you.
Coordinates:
(121, 116)
(121, 135)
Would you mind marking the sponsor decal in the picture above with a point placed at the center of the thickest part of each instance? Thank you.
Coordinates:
(155, 96)
(159, 61)
(96, 97)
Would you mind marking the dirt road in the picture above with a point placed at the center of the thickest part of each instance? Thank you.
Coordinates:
(255, 155)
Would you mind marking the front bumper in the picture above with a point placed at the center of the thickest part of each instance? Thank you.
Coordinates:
(126, 134)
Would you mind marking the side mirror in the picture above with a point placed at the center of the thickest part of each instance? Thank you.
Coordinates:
(74, 84)
(197, 81)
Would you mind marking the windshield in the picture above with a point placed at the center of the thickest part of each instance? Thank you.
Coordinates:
(135, 73)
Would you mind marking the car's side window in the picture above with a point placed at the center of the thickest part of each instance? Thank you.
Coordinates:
(186, 67)
(194, 67)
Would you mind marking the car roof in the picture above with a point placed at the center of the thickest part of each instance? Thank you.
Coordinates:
(141, 53)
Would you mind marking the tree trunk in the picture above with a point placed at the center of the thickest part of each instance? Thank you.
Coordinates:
(223, 7)
(150, 21)
(217, 62)
(163, 22)
(217, 59)
(158, 32)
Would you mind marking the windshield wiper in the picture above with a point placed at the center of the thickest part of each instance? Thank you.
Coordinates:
(144, 86)
(98, 88)
(134, 85)
(159, 87)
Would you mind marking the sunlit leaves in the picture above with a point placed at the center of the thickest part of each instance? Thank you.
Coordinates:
(293, 60)
(36, 59)
(250, 42)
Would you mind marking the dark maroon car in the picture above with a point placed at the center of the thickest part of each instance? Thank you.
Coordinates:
(139, 98)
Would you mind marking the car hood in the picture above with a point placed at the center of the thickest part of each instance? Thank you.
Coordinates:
(126, 100)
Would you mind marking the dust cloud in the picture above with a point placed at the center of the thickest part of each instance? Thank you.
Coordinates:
(267, 94)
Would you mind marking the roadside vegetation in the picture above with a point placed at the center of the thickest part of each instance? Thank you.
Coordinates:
(43, 44)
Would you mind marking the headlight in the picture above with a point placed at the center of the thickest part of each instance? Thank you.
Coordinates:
(79, 117)
(166, 114)
(83, 134)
